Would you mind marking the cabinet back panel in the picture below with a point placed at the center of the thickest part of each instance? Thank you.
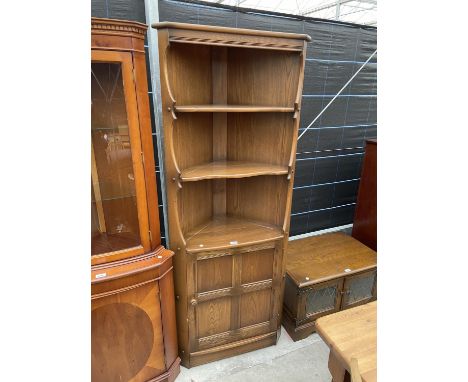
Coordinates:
(243, 196)
(260, 137)
(193, 139)
(195, 204)
(262, 77)
(214, 316)
(189, 70)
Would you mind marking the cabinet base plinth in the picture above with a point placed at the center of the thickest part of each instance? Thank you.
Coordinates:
(232, 349)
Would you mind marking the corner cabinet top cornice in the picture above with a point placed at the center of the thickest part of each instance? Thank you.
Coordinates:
(233, 37)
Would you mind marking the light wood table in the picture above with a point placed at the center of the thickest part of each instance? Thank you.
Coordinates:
(350, 334)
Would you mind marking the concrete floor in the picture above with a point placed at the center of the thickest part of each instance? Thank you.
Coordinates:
(305, 360)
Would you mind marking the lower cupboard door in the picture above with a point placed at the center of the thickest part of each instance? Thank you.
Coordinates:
(359, 289)
(319, 300)
(234, 298)
(126, 336)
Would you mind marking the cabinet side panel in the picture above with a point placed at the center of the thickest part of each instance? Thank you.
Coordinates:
(189, 69)
(195, 204)
(193, 139)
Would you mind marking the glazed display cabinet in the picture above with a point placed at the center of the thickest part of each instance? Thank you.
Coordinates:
(133, 329)
(231, 103)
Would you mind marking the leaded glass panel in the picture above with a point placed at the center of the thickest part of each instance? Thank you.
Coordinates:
(360, 288)
(321, 300)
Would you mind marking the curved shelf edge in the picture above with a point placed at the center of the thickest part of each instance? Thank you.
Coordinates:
(231, 170)
(225, 232)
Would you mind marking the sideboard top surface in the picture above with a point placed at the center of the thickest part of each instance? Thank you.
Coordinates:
(236, 31)
(318, 258)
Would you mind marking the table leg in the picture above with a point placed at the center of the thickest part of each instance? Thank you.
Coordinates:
(338, 372)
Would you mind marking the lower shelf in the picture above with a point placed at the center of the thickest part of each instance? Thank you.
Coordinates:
(104, 243)
(228, 232)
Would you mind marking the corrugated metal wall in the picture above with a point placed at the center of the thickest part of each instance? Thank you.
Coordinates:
(329, 155)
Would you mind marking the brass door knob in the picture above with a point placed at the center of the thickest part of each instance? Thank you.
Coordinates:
(193, 302)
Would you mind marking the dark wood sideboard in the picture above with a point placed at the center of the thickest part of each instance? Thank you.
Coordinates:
(365, 215)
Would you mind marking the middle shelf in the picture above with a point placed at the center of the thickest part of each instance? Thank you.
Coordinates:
(224, 108)
(231, 169)
(223, 232)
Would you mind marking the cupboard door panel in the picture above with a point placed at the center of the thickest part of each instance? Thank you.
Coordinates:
(255, 307)
(214, 274)
(359, 289)
(257, 266)
(213, 316)
(126, 338)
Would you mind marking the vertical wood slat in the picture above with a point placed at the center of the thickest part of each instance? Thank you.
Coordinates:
(236, 283)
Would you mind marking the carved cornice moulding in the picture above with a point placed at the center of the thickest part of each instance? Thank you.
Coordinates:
(118, 27)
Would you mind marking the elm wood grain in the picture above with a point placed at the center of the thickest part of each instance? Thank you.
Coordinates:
(321, 258)
(240, 115)
(365, 215)
(351, 334)
(230, 232)
(230, 169)
(134, 336)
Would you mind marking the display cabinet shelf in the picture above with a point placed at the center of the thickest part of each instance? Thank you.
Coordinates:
(229, 232)
(232, 109)
(230, 169)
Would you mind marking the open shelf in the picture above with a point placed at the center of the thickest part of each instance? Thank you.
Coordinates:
(231, 169)
(232, 109)
(229, 232)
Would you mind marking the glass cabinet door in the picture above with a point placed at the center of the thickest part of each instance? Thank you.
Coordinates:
(115, 223)
(320, 299)
(359, 289)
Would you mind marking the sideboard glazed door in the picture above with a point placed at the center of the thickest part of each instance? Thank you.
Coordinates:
(359, 289)
(120, 226)
(320, 299)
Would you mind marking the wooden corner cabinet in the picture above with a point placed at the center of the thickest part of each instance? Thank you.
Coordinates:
(133, 328)
(231, 101)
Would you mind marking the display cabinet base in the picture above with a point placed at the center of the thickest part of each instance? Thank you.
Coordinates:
(232, 349)
(170, 375)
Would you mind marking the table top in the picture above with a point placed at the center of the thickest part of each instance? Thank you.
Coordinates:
(320, 258)
(352, 333)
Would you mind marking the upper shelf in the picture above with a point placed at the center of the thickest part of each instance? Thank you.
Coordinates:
(224, 232)
(231, 169)
(232, 109)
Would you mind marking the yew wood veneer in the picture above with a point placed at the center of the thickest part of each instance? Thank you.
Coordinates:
(231, 102)
(133, 328)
